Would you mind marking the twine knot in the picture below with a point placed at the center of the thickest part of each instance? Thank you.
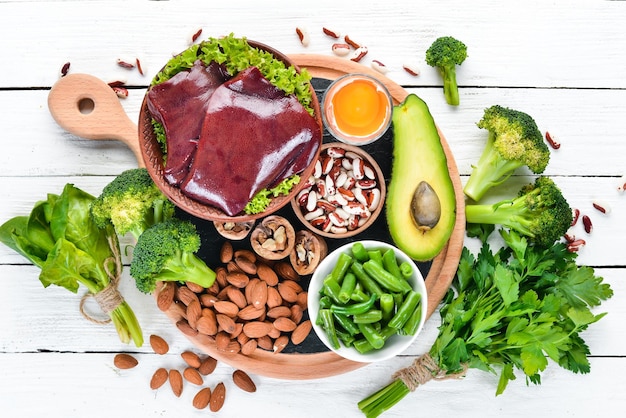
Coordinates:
(109, 298)
(423, 369)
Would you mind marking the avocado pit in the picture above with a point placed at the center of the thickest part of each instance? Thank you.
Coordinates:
(425, 207)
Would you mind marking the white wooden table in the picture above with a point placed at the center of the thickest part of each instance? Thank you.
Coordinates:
(562, 62)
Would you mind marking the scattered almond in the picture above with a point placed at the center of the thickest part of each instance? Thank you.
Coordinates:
(284, 324)
(176, 382)
(267, 274)
(280, 343)
(238, 279)
(249, 347)
(227, 308)
(124, 361)
(207, 324)
(193, 376)
(226, 252)
(207, 366)
(158, 378)
(217, 397)
(191, 358)
(256, 329)
(243, 381)
(202, 398)
(158, 344)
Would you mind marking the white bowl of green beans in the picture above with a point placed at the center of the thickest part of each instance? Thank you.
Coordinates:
(367, 301)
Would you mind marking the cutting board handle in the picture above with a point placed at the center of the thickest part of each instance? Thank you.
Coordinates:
(87, 107)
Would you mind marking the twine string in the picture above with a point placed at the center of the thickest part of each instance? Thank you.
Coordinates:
(109, 298)
(424, 369)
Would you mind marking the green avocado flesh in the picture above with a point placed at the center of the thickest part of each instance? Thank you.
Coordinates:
(420, 188)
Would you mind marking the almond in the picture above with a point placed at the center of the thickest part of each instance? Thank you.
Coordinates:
(191, 358)
(176, 382)
(243, 381)
(247, 254)
(220, 276)
(226, 323)
(273, 333)
(158, 344)
(226, 252)
(246, 265)
(222, 339)
(193, 376)
(279, 311)
(249, 347)
(194, 311)
(238, 279)
(232, 267)
(226, 308)
(195, 288)
(250, 312)
(284, 324)
(256, 329)
(250, 289)
(236, 296)
(287, 292)
(273, 297)
(296, 313)
(165, 296)
(265, 273)
(265, 343)
(207, 324)
(207, 366)
(301, 332)
(217, 397)
(280, 343)
(233, 347)
(259, 294)
(185, 295)
(286, 271)
(302, 300)
(185, 328)
(158, 378)
(208, 300)
(124, 361)
(202, 398)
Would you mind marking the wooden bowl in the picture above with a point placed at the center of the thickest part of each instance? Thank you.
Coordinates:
(153, 159)
(299, 206)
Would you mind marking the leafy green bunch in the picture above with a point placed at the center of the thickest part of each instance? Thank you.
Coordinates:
(60, 237)
(512, 309)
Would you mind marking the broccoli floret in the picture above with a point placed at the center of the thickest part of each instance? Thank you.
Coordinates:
(166, 251)
(514, 141)
(539, 212)
(132, 203)
(446, 53)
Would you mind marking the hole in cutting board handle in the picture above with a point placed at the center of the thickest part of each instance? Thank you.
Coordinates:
(86, 105)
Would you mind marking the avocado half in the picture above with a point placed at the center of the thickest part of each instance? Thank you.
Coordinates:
(420, 203)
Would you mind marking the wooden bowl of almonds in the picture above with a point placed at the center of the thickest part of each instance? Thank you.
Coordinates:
(345, 193)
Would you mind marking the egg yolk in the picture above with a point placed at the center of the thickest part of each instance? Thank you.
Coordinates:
(359, 108)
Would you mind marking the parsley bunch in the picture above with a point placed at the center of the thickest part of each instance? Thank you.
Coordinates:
(512, 309)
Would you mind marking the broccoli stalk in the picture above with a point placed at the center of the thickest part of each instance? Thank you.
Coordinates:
(445, 54)
(132, 203)
(539, 212)
(166, 251)
(514, 141)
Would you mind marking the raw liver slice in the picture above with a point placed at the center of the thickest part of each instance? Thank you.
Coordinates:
(253, 137)
(179, 104)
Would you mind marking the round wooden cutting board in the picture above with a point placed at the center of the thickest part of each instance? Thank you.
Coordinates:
(310, 360)
(298, 365)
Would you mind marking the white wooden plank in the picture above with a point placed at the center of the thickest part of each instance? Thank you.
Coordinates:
(582, 51)
(78, 385)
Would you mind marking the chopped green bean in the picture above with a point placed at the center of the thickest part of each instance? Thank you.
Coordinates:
(358, 295)
(406, 269)
(372, 335)
(355, 308)
(347, 287)
(411, 325)
(387, 306)
(346, 323)
(341, 267)
(405, 310)
(369, 317)
(390, 263)
(376, 256)
(332, 288)
(359, 252)
(385, 278)
(329, 327)
(369, 285)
